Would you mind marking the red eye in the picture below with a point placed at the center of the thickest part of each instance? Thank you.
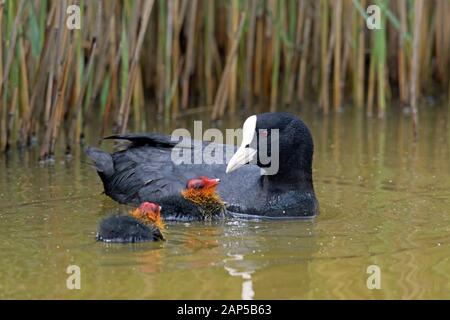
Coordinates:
(263, 132)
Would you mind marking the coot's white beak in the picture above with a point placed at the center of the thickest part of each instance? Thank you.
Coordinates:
(244, 153)
(242, 156)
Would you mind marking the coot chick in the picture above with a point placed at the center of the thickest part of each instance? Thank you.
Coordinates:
(198, 202)
(144, 171)
(142, 225)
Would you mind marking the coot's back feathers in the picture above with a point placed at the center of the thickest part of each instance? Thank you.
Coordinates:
(145, 171)
(150, 139)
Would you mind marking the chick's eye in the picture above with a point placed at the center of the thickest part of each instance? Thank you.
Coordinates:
(195, 184)
(198, 185)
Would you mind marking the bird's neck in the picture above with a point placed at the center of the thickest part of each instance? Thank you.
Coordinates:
(297, 180)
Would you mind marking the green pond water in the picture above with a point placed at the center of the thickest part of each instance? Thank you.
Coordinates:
(384, 201)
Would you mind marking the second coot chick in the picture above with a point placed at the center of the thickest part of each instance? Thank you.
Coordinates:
(143, 224)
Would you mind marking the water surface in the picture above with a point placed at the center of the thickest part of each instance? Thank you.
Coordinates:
(384, 199)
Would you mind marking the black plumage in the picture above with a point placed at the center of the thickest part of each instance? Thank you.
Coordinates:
(177, 208)
(145, 172)
(121, 228)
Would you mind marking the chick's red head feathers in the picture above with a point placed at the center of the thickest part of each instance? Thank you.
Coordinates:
(202, 183)
(149, 207)
(149, 212)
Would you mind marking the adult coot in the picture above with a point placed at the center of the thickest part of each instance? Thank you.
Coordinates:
(144, 171)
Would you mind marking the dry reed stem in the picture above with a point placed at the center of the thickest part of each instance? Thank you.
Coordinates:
(190, 54)
(12, 46)
(232, 89)
(127, 99)
(324, 95)
(84, 83)
(418, 7)
(252, 6)
(220, 100)
(337, 55)
(304, 59)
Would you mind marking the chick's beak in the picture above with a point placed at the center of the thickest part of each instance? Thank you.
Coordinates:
(209, 183)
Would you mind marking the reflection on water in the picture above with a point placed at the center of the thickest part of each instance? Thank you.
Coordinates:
(384, 201)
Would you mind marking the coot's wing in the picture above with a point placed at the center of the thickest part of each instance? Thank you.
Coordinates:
(146, 170)
(144, 174)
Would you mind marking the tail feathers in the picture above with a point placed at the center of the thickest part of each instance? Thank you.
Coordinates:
(102, 160)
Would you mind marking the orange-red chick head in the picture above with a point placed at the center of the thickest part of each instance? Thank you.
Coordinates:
(149, 212)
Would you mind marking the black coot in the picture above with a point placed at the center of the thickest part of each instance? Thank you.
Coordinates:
(249, 185)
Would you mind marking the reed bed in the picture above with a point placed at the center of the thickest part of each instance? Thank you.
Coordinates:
(135, 59)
